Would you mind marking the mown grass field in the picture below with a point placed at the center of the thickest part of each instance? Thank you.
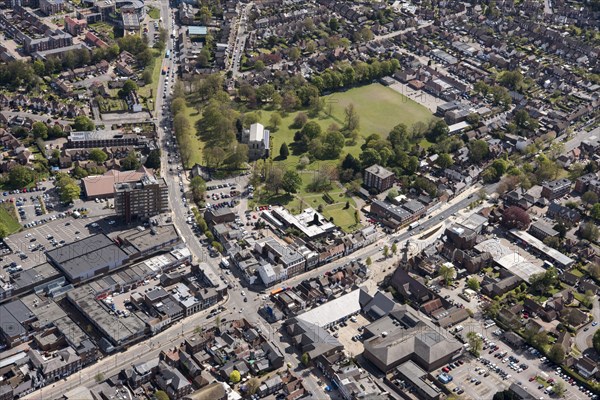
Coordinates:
(380, 109)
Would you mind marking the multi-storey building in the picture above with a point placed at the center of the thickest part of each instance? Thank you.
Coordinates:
(556, 189)
(141, 200)
(378, 178)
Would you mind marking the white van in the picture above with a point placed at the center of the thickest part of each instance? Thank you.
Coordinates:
(224, 263)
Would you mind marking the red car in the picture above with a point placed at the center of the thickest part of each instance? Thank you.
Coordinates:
(532, 379)
(550, 380)
(445, 369)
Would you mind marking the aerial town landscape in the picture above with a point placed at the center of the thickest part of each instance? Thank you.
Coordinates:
(285, 199)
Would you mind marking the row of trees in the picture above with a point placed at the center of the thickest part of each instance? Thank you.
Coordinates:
(345, 74)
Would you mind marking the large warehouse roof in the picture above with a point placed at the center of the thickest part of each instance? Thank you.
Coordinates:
(84, 258)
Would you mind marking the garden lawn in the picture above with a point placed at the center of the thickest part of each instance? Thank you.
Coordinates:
(380, 109)
(8, 218)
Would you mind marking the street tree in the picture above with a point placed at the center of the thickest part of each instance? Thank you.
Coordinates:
(39, 130)
(589, 231)
(198, 187)
(596, 341)
(559, 389)
(305, 359)
(368, 261)
(595, 212)
(386, 251)
(161, 395)
(478, 150)
(274, 179)
(515, 217)
(589, 198)
(128, 87)
(83, 123)
(153, 160)
(394, 248)
(131, 162)
(3, 231)
(252, 385)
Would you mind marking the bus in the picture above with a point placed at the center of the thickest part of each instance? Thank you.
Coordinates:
(168, 55)
(276, 291)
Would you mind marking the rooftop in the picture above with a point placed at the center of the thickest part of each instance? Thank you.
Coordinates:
(557, 256)
(333, 310)
(416, 376)
(103, 185)
(379, 171)
(116, 329)
(87, 256)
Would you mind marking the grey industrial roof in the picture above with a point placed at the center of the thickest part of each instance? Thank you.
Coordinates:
(413, 336)
(413, 206)
(79, 248)
(116, 329)
(146, 239)
(414, 373)
(547, 229)
(11, 315)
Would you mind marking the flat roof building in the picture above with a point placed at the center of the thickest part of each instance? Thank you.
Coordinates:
(140, 242)
(310, 222)
(559, 259)
(87, 258)
(119, 331)
(333, 311)
(416, 379)
(102, 138)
